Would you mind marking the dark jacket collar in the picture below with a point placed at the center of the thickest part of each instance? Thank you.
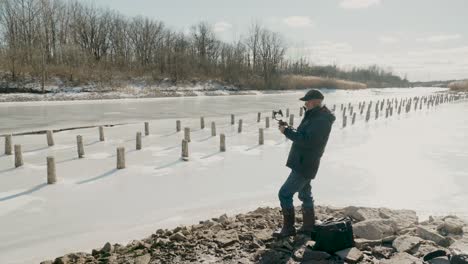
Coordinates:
(313, 111)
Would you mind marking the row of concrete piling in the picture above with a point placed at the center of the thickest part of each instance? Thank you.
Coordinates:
(394, 106)
(391, 106)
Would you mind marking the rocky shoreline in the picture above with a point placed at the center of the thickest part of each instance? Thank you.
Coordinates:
(381, 235)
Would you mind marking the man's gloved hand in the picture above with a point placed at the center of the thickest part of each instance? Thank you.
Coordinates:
(282, 128)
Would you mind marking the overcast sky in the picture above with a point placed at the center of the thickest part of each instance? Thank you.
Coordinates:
(425, 39)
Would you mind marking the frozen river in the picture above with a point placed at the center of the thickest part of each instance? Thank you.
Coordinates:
(413, 161)
(29, 116)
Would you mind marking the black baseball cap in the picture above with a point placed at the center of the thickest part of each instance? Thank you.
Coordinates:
(312, 94)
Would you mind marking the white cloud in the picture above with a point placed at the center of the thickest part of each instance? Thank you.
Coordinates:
(357, 4)
(298, 21)
(222, 26)
(440, 38)
(388, 39)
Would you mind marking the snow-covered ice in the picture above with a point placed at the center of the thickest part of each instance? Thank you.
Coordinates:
(414, 161)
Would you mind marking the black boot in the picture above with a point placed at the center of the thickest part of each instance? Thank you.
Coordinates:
(288, 228)
(308, 221)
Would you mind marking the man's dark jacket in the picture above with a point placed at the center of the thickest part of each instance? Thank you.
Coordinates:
(309, 141)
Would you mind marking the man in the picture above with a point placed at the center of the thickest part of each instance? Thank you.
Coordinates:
(309, 141)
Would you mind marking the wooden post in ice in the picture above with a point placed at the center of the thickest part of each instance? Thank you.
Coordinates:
(213, 129)
(202, 122)
(146, 129)
(79, 143)
(185, 155)
(377, 113)
(344, 120)
(259, 115)
(267, 122)
(301, 111)
(187, 134)
(260, 136)
(354, 118)
(8, 144)
(50, 138)
(239, 129)
(287, 112)
(222, 143)
(101, 133)
(178, 127)
(232, 119)
(51, 173)
(18, 156)
(120, 158)
(291, 120)
(138, 140)
(368, 115)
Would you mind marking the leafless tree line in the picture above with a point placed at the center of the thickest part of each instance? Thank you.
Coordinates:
(75, 41)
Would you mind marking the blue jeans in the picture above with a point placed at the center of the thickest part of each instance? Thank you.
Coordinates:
(296, 183)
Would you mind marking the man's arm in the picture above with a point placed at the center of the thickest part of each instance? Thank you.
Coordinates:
(316, 133)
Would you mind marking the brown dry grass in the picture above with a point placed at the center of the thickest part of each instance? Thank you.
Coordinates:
(459, 86)
(304, 82)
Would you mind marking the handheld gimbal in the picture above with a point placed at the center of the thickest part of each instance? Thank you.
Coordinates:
(280, 121)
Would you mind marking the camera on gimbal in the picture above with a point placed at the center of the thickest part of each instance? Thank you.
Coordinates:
(280, 114)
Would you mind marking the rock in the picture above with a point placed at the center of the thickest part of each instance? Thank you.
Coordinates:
(451, 225)
(361, 213)
(423, 249)
(62, 260)
(374, 229)
(402, 258)
(350, 255)
(382, 252)
(403, 218)
(223, 218)
(362, 243)
(263, 235)
(226, 238)
(388, 239)
(428, 234)
(108, 248)
(47, 262)
(270, 256)
(216, 227)
(406, 243)
(461, 245)
(316, 255)
(145, 259)
(178, 237)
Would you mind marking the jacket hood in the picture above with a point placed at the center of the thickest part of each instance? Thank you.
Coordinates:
(326, 113)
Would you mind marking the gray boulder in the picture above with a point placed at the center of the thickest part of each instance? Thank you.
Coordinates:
(406, 243)
(374, 229)
(402, 258)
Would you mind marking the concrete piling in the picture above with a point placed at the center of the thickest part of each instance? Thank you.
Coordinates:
(8, 145)
(80, 147)
(185, 154)
(120, 158)
(50, 138)
(222, 143)
(187, 134)
(51, 172)
(18, 156)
